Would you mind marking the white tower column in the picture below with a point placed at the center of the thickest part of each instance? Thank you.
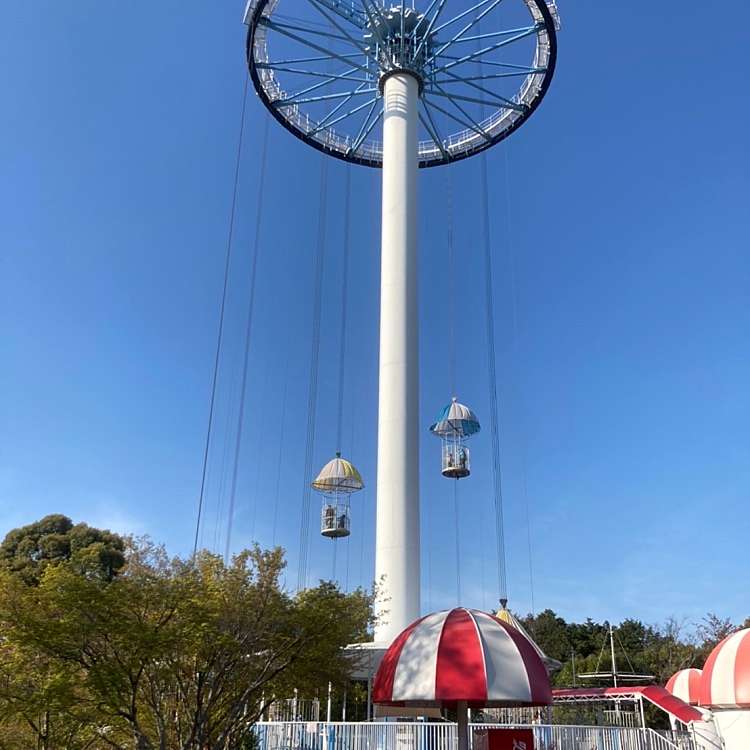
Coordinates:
(397, 528)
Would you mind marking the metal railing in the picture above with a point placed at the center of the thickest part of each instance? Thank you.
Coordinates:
(313, 735)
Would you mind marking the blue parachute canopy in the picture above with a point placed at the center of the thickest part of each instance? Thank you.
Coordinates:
(456, 420)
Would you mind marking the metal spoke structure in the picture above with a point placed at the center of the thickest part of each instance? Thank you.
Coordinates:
(396, 87)
(481, 69)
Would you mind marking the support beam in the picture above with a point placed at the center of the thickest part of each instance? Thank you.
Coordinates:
(397, 534)
(462, 713)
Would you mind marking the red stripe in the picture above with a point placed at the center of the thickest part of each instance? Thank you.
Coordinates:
(694, 686)
(541, 692)
(671, 682)
(382, 686)
(460, 674)
(708, 673)
(742, 672)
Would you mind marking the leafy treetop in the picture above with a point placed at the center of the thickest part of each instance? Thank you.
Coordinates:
(29, 550)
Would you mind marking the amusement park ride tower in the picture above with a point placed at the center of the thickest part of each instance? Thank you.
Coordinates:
(329, 71)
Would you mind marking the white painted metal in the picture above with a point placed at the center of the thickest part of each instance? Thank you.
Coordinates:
(397, 531)
(443, 736)
(733, 727)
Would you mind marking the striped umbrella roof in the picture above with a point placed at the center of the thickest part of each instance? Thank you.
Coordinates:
(509, 618)
(455, 420)
(725, 682)
(461, 655)
(338, 475)
(686, 685)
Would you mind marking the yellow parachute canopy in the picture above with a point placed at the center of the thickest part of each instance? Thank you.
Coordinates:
(338, 476)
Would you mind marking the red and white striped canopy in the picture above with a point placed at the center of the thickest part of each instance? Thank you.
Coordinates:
(686, 685)
(726, 675)
(461, 655)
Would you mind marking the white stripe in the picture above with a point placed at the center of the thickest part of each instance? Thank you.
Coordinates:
(507, 679)
(722, 678)
(694, 695)
(472, 613)
(682, 686)
(417, 666)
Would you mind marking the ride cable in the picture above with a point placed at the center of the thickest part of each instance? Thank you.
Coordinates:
(344, 298)
(342, 333)
(492, 381)
(451, 285)
(281, 445)
(312, 396)
(248, 332)
(222, 310)
(514, 318)
(497, 479)
(452, 360)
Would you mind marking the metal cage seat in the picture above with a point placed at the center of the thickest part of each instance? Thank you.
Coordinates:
(337, 480)
(335, 520)
(456, 460)
(455, 424)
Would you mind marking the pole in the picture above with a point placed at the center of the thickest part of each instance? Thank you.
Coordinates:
(463, 725)
(397, 527)
(612, 650)
(369, 698)
(643, 715)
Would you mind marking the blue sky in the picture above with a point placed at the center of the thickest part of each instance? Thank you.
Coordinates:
(619, 227)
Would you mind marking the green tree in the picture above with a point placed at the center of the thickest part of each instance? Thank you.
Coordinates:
(174, 654)
(29, 550)
(711, 631)
(551, 633)
(669, 650)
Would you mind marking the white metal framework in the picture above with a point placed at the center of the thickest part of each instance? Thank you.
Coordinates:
(482, 69)
(444, 81)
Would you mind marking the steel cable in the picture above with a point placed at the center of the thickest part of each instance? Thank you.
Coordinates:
(497, 479)
(248, 332)
(514, 318)
(281, 445)
(451, 284)
(492, 379)
(344, 298)
(222, 310)
(342, 333)
(312, 397)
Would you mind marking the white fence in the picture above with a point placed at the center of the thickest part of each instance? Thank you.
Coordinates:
(442, 736)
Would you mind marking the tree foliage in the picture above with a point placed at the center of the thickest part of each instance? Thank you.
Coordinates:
(29, 550)
(659, 650)
(168, 654)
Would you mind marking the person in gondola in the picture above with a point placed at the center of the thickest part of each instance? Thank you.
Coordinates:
(461, 458)
(330, 517)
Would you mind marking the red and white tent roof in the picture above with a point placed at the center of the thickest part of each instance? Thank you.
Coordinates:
(726, 675)
(686, 685)
(461, 655)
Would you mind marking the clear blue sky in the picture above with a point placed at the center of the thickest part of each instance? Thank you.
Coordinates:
(623, 237)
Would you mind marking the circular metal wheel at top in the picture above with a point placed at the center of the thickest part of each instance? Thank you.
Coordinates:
(483, 67)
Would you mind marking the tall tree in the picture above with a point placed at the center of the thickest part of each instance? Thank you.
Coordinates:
(29, 550)
(179, 654)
